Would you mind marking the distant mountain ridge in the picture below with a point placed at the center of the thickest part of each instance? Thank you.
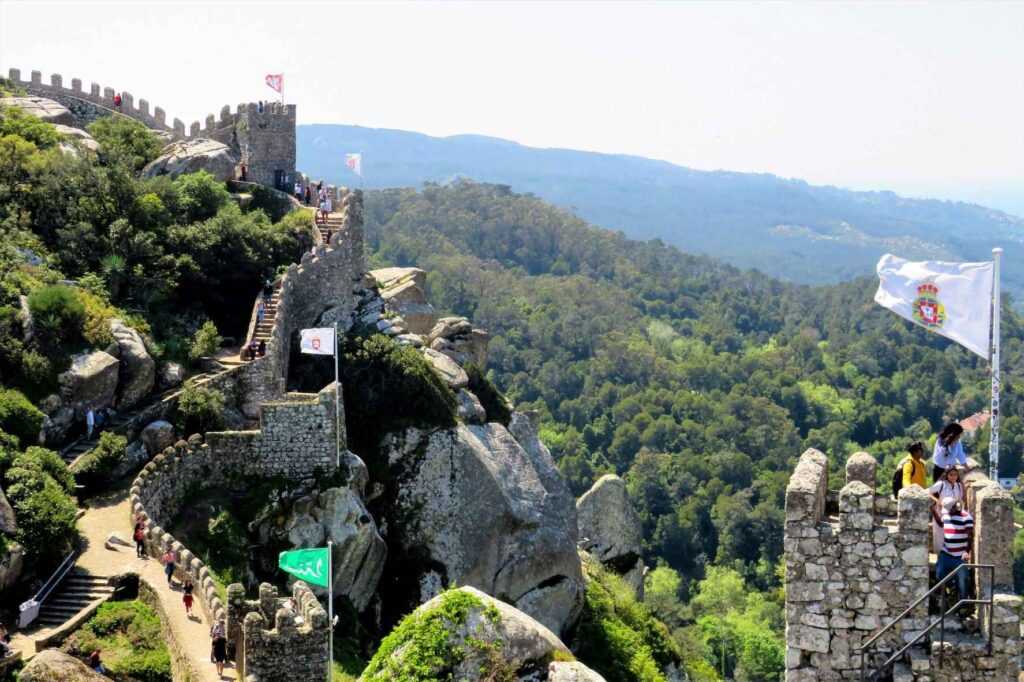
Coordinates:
(786, 228)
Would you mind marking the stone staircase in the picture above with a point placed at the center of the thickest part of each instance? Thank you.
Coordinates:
(77, 592)
(265, 328)
(330, 227)
(122, 421)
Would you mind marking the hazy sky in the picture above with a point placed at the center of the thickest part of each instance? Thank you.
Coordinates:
(921, 98)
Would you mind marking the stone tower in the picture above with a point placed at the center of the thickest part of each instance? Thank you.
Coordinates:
(266, 143)
(854, 568)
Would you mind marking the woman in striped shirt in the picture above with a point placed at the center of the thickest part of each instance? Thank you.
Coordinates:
(958, 536)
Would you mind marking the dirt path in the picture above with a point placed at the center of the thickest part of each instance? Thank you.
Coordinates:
(110, 513)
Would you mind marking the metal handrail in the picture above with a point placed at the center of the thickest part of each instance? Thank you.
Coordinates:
(940, 622)
(29, 610)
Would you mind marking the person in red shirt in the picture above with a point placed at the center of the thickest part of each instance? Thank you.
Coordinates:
(117, 101)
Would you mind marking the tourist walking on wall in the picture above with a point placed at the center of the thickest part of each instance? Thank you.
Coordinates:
(139, 535)
(307, 196)
(168, 559)
(957, 537)
(947, 486)
(220, 646)
(187, 597)
(949, 451)
(95, 663)
(117, 101)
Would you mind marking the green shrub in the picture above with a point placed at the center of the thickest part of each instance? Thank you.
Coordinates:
(123, 140)
(57, 316)
(94, 469)
(226, 543)
(388, 386)
(206, 341)
(48, 462)
(8, 451)
(19, 417)
(494, 403)
(617, 635)
(14, 121)
(429, 652)
(200, 409)
(270, 202)
(45, 513)
(128, 633)
(200, 196)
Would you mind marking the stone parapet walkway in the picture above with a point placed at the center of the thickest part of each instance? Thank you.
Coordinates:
(191, 635)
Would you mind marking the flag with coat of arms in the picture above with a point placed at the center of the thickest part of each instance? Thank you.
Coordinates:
(950, 299)
(317, 341)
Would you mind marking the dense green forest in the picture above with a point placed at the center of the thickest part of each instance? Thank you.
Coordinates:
(699, 383)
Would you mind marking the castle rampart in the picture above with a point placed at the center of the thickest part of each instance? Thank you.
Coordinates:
(325, 278)
(296, 647)
(851, 573)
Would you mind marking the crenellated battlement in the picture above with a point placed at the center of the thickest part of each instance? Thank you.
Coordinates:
(852, 568)
(277, 638)
(274, 114)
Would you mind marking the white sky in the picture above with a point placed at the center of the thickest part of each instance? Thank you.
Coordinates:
(921, 98)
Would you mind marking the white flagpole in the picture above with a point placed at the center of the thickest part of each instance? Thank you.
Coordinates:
(330, 610)
(993, 443)
(337, 404)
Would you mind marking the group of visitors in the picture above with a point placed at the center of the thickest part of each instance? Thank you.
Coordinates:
(255, 349)
(952, 524)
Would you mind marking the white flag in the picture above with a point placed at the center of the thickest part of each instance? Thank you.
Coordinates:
(951, 299)
(317, 341)
(355, 163)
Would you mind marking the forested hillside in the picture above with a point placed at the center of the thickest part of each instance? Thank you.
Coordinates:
(699, 383)
(784, 227)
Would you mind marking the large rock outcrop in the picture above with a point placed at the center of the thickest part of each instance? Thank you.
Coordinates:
(476, 509)
(137, 370)
(53, 665)
(42, 108)
(610, 529)
(91, 383)
(457, 338)
(485, 639)
(572, 671)
(402, 290)
(190, 156)
(338, 515)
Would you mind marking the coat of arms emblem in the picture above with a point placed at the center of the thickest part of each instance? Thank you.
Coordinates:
(928, 310)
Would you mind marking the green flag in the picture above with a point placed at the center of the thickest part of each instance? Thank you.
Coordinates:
(306, 564)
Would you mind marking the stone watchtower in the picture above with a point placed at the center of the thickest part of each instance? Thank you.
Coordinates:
(852, 570)
(266, 143)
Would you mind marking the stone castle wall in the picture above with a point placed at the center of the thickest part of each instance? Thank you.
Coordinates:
(325, 278)
(296, 647)
(264, 140)
(296, 439)
(850, 574)
(99, 102)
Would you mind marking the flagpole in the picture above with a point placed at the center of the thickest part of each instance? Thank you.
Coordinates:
(993, 443)
(330, 610)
